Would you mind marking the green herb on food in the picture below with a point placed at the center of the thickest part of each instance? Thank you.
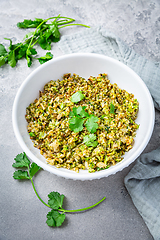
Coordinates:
(78, 116)
(56, 216)
(77, 97)
(46, 32)
(90, 140)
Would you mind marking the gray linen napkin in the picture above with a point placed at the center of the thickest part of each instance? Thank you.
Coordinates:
(143, 180)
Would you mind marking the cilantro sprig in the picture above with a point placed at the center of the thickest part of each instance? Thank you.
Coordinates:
(80, 118)
(56, 216)
(47, 31)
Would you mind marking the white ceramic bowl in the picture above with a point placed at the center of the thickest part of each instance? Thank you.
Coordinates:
(84, 64)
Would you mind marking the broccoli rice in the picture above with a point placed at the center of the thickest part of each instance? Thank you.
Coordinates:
(64, 136)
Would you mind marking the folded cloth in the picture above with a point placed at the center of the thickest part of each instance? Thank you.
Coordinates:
(143, 185)
(143, 181)
(100, 41)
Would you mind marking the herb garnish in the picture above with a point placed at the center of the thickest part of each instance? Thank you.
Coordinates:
(46, 32)
(56, 216)
(78, 116)
(112, 108)
(76, 97)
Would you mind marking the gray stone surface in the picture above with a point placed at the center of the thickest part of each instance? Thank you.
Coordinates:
(22, 215)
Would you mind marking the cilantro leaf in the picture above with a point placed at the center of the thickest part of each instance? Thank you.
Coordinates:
(44, 34)
(89, 140)
(79, 111)
(28, 23)
(12, 59)
(55, 200)
(32, 134)
(46, 58)
(3, 51)
(112, 108)
(55, 37)
(21, 160)
(77, 97)
(28, 35)
(29, 60)
(55, 219)
(44, 44)
(91, 123)
(76, 124)
(33, 169)
(19, 174)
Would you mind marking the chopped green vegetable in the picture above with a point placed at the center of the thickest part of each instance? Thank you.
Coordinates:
(55, 202)
(77, 97)
(79, 111)
(112, 108)
(46, 32)
(3, 51)
(28, 23)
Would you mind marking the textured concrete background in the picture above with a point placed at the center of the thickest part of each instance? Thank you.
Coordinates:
(22, 215)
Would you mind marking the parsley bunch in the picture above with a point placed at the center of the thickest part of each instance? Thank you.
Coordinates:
(46, 32)
(79, 117)
(56, 216)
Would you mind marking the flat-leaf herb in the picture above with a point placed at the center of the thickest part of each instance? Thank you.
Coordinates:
(47, 31)
(56, 216)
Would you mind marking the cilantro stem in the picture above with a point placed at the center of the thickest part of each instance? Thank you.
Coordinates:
(37, 194)
(72, 24)
(82, 209)
(36, 191)
(61, 22)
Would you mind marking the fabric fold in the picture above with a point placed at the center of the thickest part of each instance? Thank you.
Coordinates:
(143, 184)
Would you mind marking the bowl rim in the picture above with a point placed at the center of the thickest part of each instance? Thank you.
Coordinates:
(68, 174)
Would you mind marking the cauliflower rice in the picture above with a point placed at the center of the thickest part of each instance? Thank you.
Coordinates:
(48, 123)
